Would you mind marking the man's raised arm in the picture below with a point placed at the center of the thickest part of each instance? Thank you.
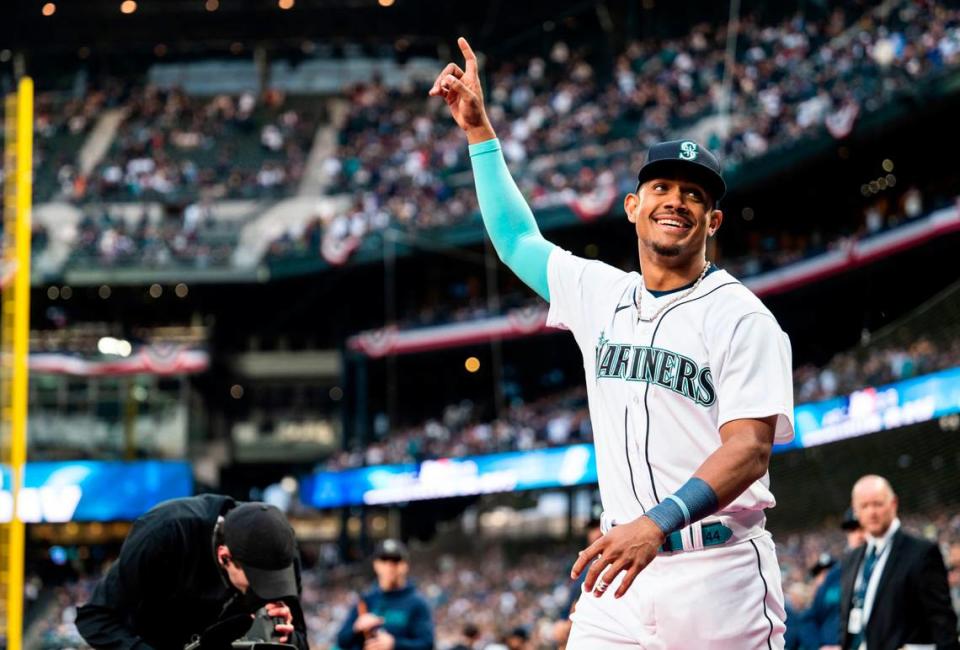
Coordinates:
(506, 215)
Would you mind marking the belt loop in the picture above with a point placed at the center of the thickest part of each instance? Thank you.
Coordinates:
(606, 522)
(696, 535)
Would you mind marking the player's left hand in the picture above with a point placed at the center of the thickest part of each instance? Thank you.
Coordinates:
(280, 610)
(627, 547)
(382, 641)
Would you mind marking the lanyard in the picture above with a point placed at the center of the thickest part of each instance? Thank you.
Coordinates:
(860, 593)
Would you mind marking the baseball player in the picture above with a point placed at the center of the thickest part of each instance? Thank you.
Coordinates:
(689, 385)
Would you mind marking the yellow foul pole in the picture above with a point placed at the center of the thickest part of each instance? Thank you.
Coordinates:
(14, 339)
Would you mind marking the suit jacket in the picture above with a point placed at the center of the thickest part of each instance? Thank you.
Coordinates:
(912, 603)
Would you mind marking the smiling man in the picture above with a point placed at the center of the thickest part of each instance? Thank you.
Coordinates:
(689, 385)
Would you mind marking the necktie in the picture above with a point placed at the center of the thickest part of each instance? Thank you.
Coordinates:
(860, 597)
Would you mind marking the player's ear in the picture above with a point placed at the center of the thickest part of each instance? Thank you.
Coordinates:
(630, 203)
(716, 218)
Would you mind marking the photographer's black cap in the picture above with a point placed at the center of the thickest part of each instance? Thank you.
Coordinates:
(686, 159)
(262, 542)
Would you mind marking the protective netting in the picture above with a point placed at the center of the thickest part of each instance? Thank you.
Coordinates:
(922, 461)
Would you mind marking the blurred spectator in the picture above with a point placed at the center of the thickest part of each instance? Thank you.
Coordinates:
(824, 614)
(469, 639)
(392, 614)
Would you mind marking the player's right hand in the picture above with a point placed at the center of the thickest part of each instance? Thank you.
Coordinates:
(460, 88)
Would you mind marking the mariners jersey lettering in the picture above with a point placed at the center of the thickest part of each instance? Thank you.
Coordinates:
(660, 391)
(662, 367)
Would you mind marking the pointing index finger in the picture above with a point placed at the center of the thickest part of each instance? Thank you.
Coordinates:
(468, 55)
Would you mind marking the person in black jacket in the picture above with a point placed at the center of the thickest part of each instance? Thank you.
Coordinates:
(188, 563)
(392, 615)
(894, 587)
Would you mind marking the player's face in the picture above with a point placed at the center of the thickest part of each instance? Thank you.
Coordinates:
(673, 217)
(875, 507)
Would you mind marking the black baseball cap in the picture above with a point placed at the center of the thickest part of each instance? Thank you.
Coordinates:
(850, 521)
(262, 542)
(687, 159)
(391, 549)
(824, 562)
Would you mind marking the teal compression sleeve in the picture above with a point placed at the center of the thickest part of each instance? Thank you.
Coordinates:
(508, 219)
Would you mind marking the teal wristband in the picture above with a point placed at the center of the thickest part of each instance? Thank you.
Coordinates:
(692, 502)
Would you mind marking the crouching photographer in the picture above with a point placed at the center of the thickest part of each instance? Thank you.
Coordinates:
(191, 564)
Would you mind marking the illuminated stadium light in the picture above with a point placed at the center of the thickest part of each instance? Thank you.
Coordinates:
(212, 5)
(128, 6)
(887, 165)
(66, 292)
(110, 345)
(53, 293)
(181, 290)
(49, 9)
(385, 3)
(156, 291)
(285, 4)
(104, 291)
(336, 393)
(472, 364)
(236, 391)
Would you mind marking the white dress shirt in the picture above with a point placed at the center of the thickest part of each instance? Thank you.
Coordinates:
(882, 544)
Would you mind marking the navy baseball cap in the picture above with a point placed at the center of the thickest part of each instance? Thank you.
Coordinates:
(263, 544)
(849, 521)
(686, 159)
(391, 549)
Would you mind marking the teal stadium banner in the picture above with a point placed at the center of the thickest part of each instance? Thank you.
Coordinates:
(82, 491)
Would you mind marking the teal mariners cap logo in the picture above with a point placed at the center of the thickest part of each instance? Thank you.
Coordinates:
(688, 150)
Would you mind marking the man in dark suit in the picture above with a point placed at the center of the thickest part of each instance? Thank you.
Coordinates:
(894, 591)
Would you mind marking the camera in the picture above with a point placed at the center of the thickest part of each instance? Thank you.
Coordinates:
(240, 633)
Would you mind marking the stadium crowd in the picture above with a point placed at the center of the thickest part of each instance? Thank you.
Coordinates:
(503, 591)
(560, 419)
(55, 626)
(560, 122)
(563, 418)
(177, 238)
(173, 147)
(564, 117)
(874, 366)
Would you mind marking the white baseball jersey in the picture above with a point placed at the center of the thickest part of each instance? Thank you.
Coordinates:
(660, 391)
